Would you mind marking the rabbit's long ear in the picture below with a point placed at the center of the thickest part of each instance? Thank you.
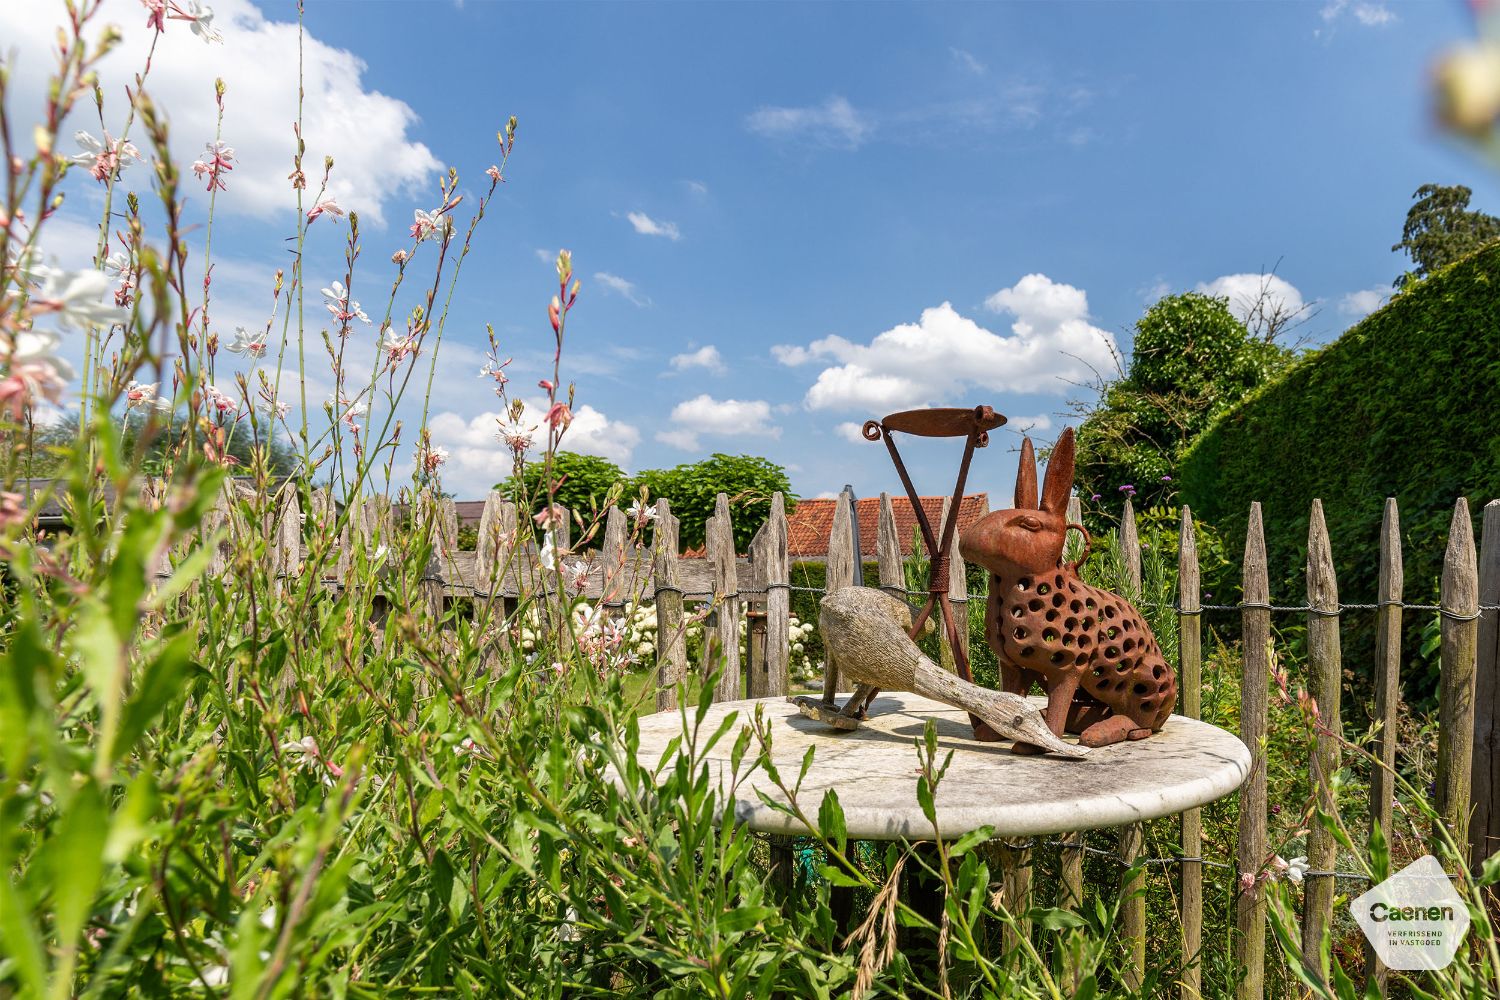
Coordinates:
(1026, 477)
(1059, 483)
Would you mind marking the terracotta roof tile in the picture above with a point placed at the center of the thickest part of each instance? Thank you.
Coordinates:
(811, 522)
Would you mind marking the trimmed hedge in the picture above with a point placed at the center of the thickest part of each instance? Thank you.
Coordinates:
(1403, 404)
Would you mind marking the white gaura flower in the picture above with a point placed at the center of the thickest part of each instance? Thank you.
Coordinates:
(1296, 869)
(36, 370)
(77, 299)
(547, 557)
(220, 401)
(144, 394)
(103, 158)
(396, 348)
(201, 22)
(117, 263)
(246, 343)
(430, 225)
(640, 514)
(339, 306)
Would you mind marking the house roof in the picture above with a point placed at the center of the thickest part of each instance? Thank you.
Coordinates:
(469, 511)
(811, 521)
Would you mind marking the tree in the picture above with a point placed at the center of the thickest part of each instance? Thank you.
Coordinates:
(692, 490)
(583, 484)
(1192, 360)
(1441, 228)
(51, 443)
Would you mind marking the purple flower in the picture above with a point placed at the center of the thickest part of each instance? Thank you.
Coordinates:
(1127, 488)
(1094, 497)
(1166, 479)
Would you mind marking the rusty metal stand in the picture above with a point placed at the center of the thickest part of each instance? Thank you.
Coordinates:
(974, 425)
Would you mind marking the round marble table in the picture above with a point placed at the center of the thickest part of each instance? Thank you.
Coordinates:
(874, 770)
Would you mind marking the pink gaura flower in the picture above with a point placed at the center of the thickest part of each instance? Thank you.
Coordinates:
(546, 384)
(400, 257)
(216, 161)
(328, 205)
(339, 306)
(560, 416)
(156, 14)
(12, 510)
(36, 371)
(105, 158)
(493, 173)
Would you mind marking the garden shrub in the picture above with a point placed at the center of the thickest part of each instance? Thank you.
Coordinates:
(1396, 407)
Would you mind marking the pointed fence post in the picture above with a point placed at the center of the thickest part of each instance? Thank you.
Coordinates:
(1460, 646)
(721, 557)
(1070, 847)
(613, 585)
(889, 560)
(1133, 836)
(1484, 827)
(671, 639)
(1190, 704)
(286, 541)
(1325, 671)
(1250, 854)
(493, 553)
(1387, 700)
(768, 678)
(838, 573)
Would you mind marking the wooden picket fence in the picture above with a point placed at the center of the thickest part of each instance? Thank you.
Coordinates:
(504, 567)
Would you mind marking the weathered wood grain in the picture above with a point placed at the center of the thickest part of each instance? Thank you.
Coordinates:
(1484, 826)
(1325, 672)
(839, 572)
(671, 637)
(1190, 704)
(1387, 699)
(1132, 887)
(1460, 647)
(720, 537)
(1250, 904)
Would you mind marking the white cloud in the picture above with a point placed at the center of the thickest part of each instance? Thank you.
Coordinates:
(718, 418)
(698, 188)
(851, 431)
(968, 61)
(1244, 290)
(1360, 304)
(647, 226)
(706, 356)
(620, 286)
(477, 460)
(1370, 13)
(545, 256)
(1029, 424)
(835, 122)
(365, 131)
(942, 357)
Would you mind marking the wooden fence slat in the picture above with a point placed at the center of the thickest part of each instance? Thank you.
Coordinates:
(1484, 826)
(1133, 905)
(286, 541)
(889, 560)
(1250, 854)
(612, 581)
(776, 579)
(493, 550)
(1190, 704)
(720, 539)
(959, 610)
(1070, 851)
(839, 573)
(1325, 672)
(1460, 644)
(671, 640)
(1387, 698)
(1132, 837)
(1015, 882)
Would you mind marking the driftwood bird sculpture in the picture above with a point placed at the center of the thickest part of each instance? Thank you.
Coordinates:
(868, 630)
(1089, 649)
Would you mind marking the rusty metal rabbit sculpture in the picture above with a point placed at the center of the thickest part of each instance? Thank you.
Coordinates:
(1089, 649)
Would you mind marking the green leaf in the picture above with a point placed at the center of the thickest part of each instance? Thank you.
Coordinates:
(160, 681)
(22, 942)
(831, 820)
(968, 841)
(76, 856)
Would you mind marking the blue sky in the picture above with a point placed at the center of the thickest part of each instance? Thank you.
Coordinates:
(824, 212)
